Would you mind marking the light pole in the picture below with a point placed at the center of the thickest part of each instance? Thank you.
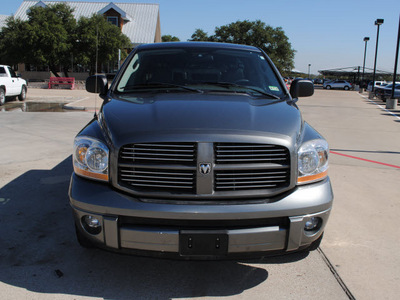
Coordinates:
(309, 65)
(378, 23)
(392, 102)
(366, 39)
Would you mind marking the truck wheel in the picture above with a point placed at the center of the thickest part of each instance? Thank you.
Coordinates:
(22, 96)
(83, 240)
(2, 97)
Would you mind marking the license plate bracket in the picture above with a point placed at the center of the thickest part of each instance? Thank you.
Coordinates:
(203, 243)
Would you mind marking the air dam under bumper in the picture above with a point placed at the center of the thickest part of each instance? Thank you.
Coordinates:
(253, 229)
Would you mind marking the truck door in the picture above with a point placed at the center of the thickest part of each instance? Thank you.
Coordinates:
(5, 80)
(15, 84)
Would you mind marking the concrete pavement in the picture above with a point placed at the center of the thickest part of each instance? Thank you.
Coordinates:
(77, 99)
(362, 235)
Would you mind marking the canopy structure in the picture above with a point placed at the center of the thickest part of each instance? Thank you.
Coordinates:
(354, 74)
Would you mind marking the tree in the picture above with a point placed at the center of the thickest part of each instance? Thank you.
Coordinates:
(272, 40)
(51, 36)
(47, 37)
(11, 38)
(200, 35)
(97, 38)
(169, 38)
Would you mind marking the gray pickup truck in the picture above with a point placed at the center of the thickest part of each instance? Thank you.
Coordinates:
(199, 151)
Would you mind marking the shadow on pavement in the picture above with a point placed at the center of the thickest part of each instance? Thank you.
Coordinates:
(394, 113)
(39, 252)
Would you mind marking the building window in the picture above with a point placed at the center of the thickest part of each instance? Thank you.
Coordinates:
(113, 20)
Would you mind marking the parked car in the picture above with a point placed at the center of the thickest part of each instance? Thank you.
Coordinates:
(337, 84)
(11, 85)
(379, 90)
(386, 92)
(377, 84)
(200, 152)
(318, 81)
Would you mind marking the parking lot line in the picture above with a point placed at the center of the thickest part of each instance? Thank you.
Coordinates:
(367, 160)
(380, 106)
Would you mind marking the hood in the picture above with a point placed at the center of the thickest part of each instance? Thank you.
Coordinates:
(200, 117)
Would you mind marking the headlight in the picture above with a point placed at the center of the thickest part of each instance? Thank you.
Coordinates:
(313, 161)
(90, 158)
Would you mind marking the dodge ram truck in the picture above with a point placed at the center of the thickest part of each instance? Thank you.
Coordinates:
(199, 151)
(11, 85)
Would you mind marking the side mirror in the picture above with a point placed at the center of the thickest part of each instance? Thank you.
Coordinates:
(301, 88)
(97, 84)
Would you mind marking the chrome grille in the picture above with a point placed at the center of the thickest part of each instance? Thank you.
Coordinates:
(158, 167)
(156, 153)
(251, 179)
(143, 178)
(230, 153)
(171, 170)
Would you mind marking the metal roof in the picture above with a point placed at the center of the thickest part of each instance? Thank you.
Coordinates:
(3, 19)
(140, 29)
(351, 71)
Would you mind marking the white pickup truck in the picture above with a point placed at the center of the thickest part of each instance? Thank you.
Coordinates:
(11, 85)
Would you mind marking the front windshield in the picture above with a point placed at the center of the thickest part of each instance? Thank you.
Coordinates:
(200, 69)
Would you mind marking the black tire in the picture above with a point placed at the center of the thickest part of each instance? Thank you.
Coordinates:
(2, 97)
(22, 96)
(83, 240)
(328, 87)
(346, 88)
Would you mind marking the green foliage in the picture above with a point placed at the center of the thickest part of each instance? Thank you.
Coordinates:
(95, 32)
(169, 38)
(46, 38)
(12, 37)
(200, 35)
(51, 36)
(272, 40)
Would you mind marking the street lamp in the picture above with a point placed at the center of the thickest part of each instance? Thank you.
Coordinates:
(366, 39)
(309, 65)
(378, 22)
(392, 102)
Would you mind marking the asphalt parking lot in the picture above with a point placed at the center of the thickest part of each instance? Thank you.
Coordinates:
(358, 258)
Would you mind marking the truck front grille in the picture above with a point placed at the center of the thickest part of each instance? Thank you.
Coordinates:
(254, 166)
(159, 153)
(172, 170)
(164, 179)
(168, 167)
(251, 179)
(231, 153)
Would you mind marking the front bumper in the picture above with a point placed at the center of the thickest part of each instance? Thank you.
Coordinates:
(163, 228)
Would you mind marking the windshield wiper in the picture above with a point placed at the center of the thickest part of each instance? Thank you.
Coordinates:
(160, 85)
(230, 84)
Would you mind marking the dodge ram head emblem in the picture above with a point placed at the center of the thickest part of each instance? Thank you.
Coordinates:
(204, 168)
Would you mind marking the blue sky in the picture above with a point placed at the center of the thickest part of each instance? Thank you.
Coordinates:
(325, 34)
